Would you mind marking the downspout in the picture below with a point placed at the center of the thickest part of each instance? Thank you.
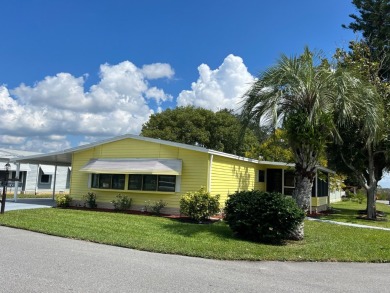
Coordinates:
(210, 170)
(16, 182)
(54, 183)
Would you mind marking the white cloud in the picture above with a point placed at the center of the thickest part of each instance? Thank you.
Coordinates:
(219, 88)
(47, 115)
(57, 106)
(61, 91)
(158, 95)
(9, 140)
(158, 70)
(44, 145)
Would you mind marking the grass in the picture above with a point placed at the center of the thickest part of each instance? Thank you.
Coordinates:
(347, 211)
(323, 242)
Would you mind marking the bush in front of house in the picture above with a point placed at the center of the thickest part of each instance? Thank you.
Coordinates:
(63, 200)
(155, 207)
(122, 202)
(90, 200)
(262, 216)
(199, 205)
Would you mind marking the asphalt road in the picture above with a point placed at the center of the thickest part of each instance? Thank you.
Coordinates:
(33, 262)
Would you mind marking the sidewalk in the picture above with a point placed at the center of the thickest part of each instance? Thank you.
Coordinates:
(348, 224)
(30, 203)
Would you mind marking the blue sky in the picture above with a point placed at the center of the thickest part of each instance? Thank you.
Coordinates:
(73, 72)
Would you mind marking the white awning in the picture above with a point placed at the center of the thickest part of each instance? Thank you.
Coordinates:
(23, 167)
(47, 169)
(134, 166)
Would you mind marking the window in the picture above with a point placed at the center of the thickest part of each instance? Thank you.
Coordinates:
(135, 182)
(289, 182)
(45, 179)
(166, 183)
(261, 176)
(108, 181)
(152, 182)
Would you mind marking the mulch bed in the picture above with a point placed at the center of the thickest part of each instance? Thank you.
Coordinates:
(180, 218)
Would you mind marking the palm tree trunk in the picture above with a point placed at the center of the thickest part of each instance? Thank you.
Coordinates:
(305, 168)
(302, 196)
(302, 192)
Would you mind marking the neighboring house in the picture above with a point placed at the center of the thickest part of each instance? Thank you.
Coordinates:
(33, 178)
(152, 169)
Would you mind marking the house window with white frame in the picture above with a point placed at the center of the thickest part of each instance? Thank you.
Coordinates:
(152, 182)
(45, 179)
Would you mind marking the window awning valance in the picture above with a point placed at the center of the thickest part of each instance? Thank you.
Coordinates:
(133, 166)
(47, 169)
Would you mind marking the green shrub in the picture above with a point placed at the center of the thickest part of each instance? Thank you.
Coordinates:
(90, 200)
(262, 216)
(63, 200)
(155, 207)
(382, 196)
(359, 197)
(199, 205)
(122, 202)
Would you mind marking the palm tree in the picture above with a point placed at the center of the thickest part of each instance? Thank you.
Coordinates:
(309, 99)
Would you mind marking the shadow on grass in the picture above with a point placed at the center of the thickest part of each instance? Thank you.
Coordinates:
(346, 215)
(217, 229)
(190, 229)
(351, 215)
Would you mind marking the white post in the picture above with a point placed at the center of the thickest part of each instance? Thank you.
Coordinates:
(54, 183)
(37, 181)
(16, 181)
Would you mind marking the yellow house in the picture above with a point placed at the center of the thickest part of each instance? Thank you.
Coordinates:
(152, 169)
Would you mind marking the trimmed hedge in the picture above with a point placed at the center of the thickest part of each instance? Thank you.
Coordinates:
(199, 205)
(262, 216)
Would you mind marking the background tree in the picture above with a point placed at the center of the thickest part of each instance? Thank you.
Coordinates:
(373, 22)
(197, 126)
(361, 158)
(307, 96)
(274, 148)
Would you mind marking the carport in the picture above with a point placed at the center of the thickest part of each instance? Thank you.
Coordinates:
(55, 159)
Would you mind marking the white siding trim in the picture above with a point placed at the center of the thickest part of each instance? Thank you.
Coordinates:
(178, 183)
(209, 175)
(89, 180)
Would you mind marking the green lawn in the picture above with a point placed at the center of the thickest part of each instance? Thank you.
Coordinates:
(347, 211)
(323, 242)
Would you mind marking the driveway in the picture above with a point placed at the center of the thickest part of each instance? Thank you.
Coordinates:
(33, 262)
(30, 203)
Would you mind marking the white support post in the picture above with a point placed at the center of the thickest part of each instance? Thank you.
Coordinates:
(54, 183)
(37, 181)
(16, 182)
